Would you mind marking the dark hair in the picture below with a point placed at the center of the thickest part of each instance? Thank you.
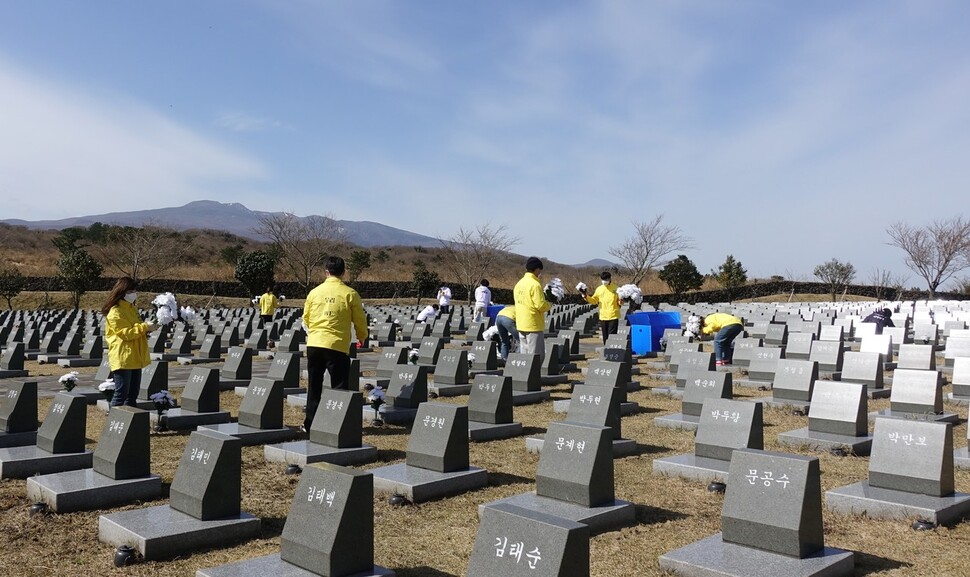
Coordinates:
(269, 289)
(123, 285)
(887, 312)
(605, 275)
(484, 282)
(335, 266)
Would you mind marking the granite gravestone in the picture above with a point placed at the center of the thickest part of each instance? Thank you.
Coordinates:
(12, 361)
(63, 430)
(207, 483)
(960, 379)
(595, 405)
(793, 383)
(490, 400)
(408, 387)
(916, 395)
(390, 361)
(914, 356)
(439, 439)
(262, 406)
(451, 368)
(836, 420)
(703, 385)
(524, 370)
(124, 450)
(829, 356)
(238, 365)
(513, 542)
(865, 368)
(18, 410)
(286, 369)
(691, 362)
(799, 346)
(577, 465)
(764, 364)
(429, 350)
(486, 357)
(154, 378)
(201, 393)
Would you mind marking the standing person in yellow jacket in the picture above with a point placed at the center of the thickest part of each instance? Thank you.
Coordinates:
(267, 305)
(605, 296)
(530, 308)
(330, 310)
(727, 328)
(127, 337)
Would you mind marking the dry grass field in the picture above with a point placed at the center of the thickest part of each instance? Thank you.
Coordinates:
(435, 539)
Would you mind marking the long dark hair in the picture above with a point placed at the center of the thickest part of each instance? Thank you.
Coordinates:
(124, 284)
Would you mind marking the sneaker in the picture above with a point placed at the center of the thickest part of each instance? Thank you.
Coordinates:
(718, 363)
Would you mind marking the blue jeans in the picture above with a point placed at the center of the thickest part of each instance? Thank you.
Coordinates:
(724, 342)
(506, 328)
(127, 383)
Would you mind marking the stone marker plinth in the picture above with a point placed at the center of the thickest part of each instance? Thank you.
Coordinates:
(490, 409)
(916, 395)
(698, 386)
(260, 415)
(18, 415)
(60, 442)
(199, 402)
(836, 419)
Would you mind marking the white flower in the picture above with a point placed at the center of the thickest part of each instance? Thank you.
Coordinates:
(163, 398)
(556, 288)
(490, 333)
(188, 314)
(106, 386)
(70, 377)
(166, 308)
(630, 292)
(471, 357)
(377, 393)
(581, 287)
(413, 355)
(282, 297)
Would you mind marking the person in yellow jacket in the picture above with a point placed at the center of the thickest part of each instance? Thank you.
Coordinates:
(725, 329)
(505, 323)
(330, 310)
(127, 337)
(267, 305)
(530, 308)
(609, 302)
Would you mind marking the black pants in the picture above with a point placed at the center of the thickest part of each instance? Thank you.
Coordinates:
(318, 361)
(609, 328)
(267, 319)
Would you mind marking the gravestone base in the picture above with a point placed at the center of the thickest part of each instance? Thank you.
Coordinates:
(392, 344)
(599, 519)
(167, 357)
(49, 359)
(481, 432)
(552, 380)
(418, 485)
(232, 384)
(251, 436)
(943, 417)
(959, 400)
(161, 532)
(634, 370)
(472, 373)
(575, 357)
(13, 374)
(621, 447)
(298, 400)
(240, 390)
(197, 360)
(628, 408)
(752, 383)
(520, 398)
(390, 415)
(22, 462)
(381, 382)
(668, 392)
(303, 453)
(878, 393)
(91, 394)
(449, 390)
(782, 403)
(429, 367)
(961, 458)
(17, 439)
(177, 419)
(86, 490)
(678, 421)
(78, 362)
(273, 566)
(712, 557)
(661, 365)
(819, 441)
(878, 503)
(690, 466)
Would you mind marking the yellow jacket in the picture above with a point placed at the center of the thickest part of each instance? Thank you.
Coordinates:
(717, 321)
(530, 304)
(330, 309)
(126, 334)
(508, 311)
(267, 304)
(605, 296)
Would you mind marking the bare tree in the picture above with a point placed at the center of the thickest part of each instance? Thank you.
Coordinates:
(303, 243)
(836, 274)
(935, 252)
(652, 240)
(885, 280)
(470, 253)
(140, 252)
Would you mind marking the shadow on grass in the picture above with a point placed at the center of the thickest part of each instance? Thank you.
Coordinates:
(270, 527)
(422, 572)
(497, 479)
(530, 431)
(649, 449)
(866, 564)
(641, 410)
(651, 515)
(385, 430)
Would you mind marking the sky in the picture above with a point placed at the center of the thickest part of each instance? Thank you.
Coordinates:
(783, 133)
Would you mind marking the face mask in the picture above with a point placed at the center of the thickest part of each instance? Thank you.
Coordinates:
(604, 282)
(130, 297)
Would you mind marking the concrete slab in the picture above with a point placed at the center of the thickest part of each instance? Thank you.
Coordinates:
(552, 380)
(161, 532)
(961, 458)
(86, 490)
(12, 374)
(197, 360)
(303, 453)
(449, 390)
(273, 566)
(621, 447)
(818, 441)
(677, 421)
(298, 400)
(17, 439)
(418, 485)
(390, 415)
(599, 519)
(70, 363)
(692, 467)
(232, 384)
(181, 419)
(482, 432)
(251, 436)
(878, 503)
(626, 409)
(520, 398)
(943, 417)
(712, 557)
(958, 400)
(668, 392)
(22, 462)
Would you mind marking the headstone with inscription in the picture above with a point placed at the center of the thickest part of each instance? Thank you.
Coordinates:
(916, 395)
(960, 378)
(451, 374)
(485, 358)
(594, 405)
(12, 362)
(865, 368)
(204, 504)
(526, 381)
(260, 415)
(793, 384)
(762, 367)
(836, 420)
(829, 355)
(199, 402)
(700, 386)
(18, 415)
(490, 409)
(60, 442)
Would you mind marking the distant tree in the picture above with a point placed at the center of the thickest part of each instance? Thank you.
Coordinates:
(424, 281)
(12, 282)
(70, 239)
(681, 275)
(777, 278)
(836, 274)
(303, 243)
(256, 271)
(381, 257)
(470, 254)
(652, 240)
(730, 274)
(231, 254)
(936, 251)
(357, 263)
(884, 280)
(78, 272)
(143, 252)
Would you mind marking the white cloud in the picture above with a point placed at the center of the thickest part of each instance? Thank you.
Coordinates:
(65, 151)
(242, 122)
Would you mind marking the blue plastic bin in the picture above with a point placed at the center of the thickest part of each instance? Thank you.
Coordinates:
(493, 310)
(647, 328)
